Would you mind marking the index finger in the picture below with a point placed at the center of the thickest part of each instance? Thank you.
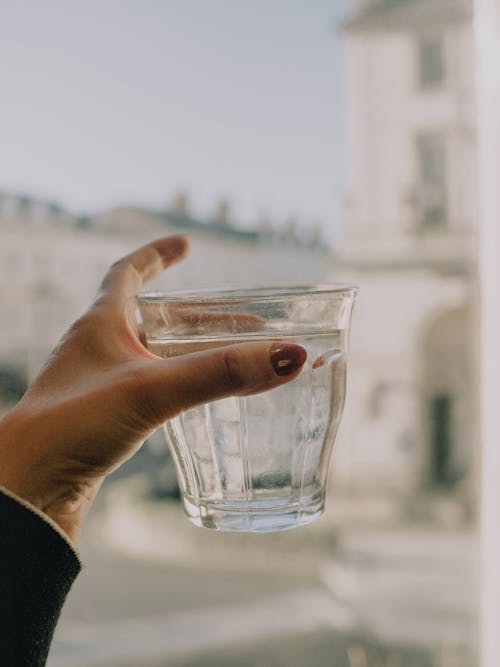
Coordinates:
(130, 273)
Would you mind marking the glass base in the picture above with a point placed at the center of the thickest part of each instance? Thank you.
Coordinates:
(262, 516)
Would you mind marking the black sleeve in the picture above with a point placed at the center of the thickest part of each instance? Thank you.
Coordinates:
(37, 569)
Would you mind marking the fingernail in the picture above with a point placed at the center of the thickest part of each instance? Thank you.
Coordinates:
(173, 247)
(286, 359)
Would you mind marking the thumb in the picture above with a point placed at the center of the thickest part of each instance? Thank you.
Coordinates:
(179, 383)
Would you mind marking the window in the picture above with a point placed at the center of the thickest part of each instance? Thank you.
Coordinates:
(441, 440)
(430, 63)
(431, 180)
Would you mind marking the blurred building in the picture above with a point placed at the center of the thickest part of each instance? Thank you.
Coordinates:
(410, 243)
(51, 263)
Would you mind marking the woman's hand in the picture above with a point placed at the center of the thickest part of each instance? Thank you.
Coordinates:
(102, 393)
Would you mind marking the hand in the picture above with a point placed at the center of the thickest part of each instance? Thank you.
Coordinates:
(102, 393)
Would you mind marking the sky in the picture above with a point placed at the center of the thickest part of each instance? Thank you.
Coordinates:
(108, 102)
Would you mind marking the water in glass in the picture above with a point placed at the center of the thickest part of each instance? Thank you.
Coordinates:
(260, 463)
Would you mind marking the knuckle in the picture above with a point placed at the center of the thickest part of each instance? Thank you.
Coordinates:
(123, 265)
(150, 401)
(117, 264)
(127, 266)
(113, 269)
(135, 384)
(91, 328)
(137, 377)
(232, 360)
(84, 326)
(95, 318)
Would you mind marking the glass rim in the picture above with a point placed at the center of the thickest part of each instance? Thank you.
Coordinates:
(255, 293)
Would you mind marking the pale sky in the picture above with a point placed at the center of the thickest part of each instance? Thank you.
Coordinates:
(128, 101)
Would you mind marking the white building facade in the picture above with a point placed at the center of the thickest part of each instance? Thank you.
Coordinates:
(410, 244)
(51, 264)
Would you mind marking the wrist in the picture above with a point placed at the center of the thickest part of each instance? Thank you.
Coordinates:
(67, 506)
(29, 472)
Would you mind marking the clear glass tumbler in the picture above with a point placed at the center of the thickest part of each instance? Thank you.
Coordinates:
(256, 463)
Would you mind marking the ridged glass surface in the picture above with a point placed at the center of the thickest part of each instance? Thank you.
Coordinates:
(260, 463)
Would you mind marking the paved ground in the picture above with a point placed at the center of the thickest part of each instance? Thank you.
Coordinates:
(173, 596)
(321, 649)
(124, 612)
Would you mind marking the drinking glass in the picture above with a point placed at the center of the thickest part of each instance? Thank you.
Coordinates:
(256, 463)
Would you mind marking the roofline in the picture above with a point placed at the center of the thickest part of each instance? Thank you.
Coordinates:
(393, 15)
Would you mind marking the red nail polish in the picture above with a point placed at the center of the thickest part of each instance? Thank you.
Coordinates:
(286, 359)
(172, 248)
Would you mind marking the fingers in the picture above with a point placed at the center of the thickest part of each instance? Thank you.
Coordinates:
(129, 274)
(176, 384)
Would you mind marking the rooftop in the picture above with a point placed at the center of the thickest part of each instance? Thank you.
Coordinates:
(26, 210)
(216, 227)
(404, 14)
